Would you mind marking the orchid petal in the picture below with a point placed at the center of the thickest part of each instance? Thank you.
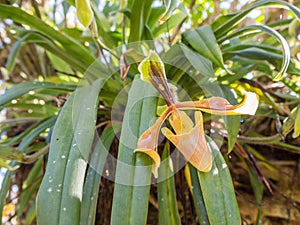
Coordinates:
(149, 138)
(181, 122)
(192, 145)
(154, 156)
(147, 144)
(148, 141)
(220, 106)
(249, 104)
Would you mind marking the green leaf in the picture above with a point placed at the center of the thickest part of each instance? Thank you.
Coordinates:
(74, 48)
(5, 185)
(31, 214)
(30, 186)
(84, 12)
(133, 174)
(19, 137)
(11, 153)
(285, 52)
(167, 204)
(200, 63)
(242, 46)
(170, 6)
(47, 110)
(289, 122)
(20, 89)
(174, 21)
(297, 123)
(198, 197)
(258, 189)
(232, 21)
(257, 185)
(218, 191)
(147, 11)
(204, 42)
(93, 177)
(292, 85)
(43, 125)
(232, 123)
(59, 64)
(104, 34)
(254, 53)
(136, 20)
(14, 51)
(71, 142)
(5, 164)
(64, 53)
(155, 14)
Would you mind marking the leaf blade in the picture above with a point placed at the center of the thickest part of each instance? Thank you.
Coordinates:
(218, 191)
(133, 174)
(204, 42)
(167, 205)
(63, 181)
(93, 177)
(20, 89)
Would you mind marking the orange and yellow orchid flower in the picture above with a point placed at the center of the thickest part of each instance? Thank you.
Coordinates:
(189, 138)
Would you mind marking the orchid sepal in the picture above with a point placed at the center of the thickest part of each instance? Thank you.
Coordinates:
(192, 144)
(220, 106)
(154, 156)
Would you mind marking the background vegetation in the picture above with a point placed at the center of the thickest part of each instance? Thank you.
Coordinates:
(48, 67)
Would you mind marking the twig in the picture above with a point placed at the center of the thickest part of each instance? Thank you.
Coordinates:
(168, 33)
(36, 8)
(258, 85)
(65, 73)
(258, 171)
(31, 158)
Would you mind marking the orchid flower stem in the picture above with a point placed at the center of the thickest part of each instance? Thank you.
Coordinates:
(164, 116)
(260, 140)
(31, 158)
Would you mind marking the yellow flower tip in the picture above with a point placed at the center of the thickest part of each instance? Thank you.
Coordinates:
(249, 104)
(154, 156)
(202, 163)
(220, 106)
(192, 144)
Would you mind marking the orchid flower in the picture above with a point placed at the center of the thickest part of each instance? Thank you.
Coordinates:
(189, 137)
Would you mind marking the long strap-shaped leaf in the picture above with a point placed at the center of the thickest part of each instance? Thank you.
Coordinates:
(233, 21)
(218, 192)
(133, 174)
(18, 15)
(60, 194)
(49, 45)
(286, 56)
(204, 41)
(232, 123)
(23, 88)
(167, 204)
(136, 20)
(198, 197)
(93, 176)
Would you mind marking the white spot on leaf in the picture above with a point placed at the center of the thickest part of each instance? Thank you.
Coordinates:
(215, 171)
